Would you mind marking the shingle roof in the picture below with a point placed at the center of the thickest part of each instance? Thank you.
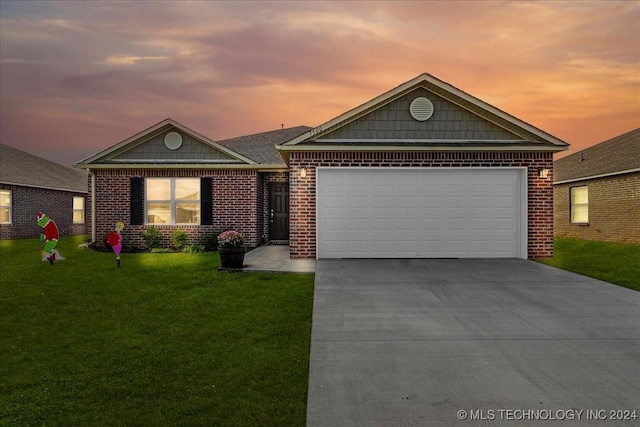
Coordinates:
(260, 147)
(618, 154)
(21, 168)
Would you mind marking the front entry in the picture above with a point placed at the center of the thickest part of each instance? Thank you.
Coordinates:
(279, 212)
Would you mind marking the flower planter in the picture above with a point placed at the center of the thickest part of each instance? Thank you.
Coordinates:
(232, 257)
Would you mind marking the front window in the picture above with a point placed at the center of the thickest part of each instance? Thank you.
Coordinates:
(5, 206)
(172, 200)
(580, 205)
(78, 210)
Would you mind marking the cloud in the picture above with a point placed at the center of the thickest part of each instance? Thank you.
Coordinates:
(132, 60)
(93, 73)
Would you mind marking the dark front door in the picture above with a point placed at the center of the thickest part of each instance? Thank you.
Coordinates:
(279, 211)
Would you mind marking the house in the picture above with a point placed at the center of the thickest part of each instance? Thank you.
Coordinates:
(597, 191)
(423, 170)
(29, 184)
(172, 177)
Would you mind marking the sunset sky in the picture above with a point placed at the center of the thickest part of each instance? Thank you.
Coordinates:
(78, 77)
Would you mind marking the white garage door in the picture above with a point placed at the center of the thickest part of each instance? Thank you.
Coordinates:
(421, 212)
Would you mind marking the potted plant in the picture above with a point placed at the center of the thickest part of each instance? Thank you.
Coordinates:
(231, 249)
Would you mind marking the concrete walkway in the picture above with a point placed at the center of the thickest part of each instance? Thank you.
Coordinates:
(470, 342)
(276, 258)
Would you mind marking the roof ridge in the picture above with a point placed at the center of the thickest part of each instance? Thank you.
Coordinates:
(265, 133)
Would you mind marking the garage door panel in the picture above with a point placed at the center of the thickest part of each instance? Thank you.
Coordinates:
(503, 202)
(504, 224)
(358, 246)
(356, 201)
(408, 201)
(357, 224)
(420, 212)
(334, 201)
(407, 224)
(481, 202)
(455, 201)
(481, 224)
(454, 248)
(452, 226)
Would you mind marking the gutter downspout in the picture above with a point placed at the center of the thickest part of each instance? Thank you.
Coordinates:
(93, 206)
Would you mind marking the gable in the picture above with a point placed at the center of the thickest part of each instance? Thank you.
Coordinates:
(164, 144)
(460, 122)
(393, 122)
(154, 148)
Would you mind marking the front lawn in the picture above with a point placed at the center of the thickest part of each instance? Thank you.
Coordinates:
(612, 262)
(165, 339)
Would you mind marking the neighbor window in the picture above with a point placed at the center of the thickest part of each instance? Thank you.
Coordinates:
(78, 210)
(172, 200)
(5, 206)
(580, 205)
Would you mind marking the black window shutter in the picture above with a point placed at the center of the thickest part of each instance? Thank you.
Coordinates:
(137, 201)
(206, 201)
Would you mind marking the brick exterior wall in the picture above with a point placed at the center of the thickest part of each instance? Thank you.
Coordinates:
(235, 196)
(614, 209)
(27, 201)
(303, 190)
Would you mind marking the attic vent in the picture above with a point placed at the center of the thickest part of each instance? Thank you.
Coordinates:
(173, 140)
(421, 109)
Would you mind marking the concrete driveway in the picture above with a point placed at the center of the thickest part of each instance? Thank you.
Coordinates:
(470, 342)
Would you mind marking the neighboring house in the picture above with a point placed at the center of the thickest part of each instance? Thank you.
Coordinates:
(597, 191)
(29, 184)
(424, 170)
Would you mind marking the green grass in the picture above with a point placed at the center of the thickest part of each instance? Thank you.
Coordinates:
(612, 262)
(164, 340)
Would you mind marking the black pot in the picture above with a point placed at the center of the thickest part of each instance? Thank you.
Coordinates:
(231, 257)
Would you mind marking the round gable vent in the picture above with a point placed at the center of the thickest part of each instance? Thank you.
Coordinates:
(421, 109)
(173, 140)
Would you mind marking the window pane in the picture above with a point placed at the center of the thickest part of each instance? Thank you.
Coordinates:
(78, 203)
(158, 213)
(580, 204)
(580, 213)
(579, 195)
(78, 217)
(5, 198)
(4, 215)
(158, 189)
(187, 213)
(187, 189)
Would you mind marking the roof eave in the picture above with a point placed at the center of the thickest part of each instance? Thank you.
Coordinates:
(44, 187)
(95, 166)
(602, 175)
(420, 148)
